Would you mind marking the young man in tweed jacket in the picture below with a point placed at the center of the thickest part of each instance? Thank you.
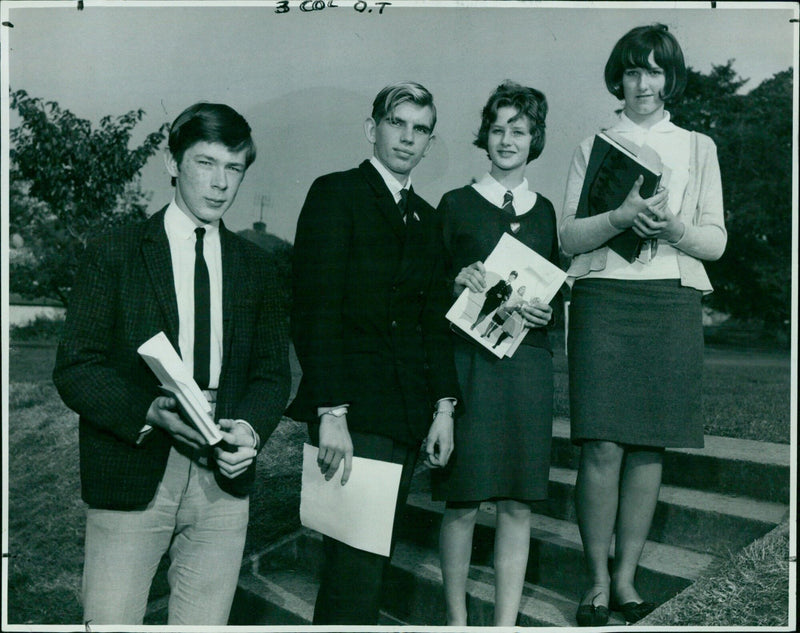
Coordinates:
(152, 483)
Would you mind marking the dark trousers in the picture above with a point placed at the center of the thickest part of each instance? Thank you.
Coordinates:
(351, 580)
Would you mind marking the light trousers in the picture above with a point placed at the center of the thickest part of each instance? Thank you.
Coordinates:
(201, 526)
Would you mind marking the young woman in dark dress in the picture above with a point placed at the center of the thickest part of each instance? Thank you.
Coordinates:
(502, 441)
(635, 328)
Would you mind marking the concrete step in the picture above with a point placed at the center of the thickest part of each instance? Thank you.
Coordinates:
(278, 587)
(699, 520)
(696, 519)
(713, 500)
(555, 560)
(277, 590)
(414, 593)
(729, 466)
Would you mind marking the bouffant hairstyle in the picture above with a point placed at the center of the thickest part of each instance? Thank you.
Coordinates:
(633, 50)
(529, 102)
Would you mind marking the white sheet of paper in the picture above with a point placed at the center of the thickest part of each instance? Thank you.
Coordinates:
(360, 513)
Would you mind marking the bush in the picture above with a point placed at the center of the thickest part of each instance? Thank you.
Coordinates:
(40, 329)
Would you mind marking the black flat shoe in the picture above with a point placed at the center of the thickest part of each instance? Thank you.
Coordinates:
(634, 611)
(592, 614)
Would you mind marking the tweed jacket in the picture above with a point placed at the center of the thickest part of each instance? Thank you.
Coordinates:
(124, 294)
(369, 299)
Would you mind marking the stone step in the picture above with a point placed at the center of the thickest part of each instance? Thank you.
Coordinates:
(555, 560)
(278, 587)
(746, 468)
(278, 590)
(414, 593)
(702, 521)
(713, 500)
(696, 519)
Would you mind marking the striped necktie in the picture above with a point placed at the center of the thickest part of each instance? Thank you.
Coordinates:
(402, 204)
(508, 206)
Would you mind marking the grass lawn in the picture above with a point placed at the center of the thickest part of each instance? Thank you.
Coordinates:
(746, 395)
(750, 589)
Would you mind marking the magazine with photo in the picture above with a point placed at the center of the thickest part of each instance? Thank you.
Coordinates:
(515, 275)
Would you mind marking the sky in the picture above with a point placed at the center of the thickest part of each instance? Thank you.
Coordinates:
(305, 80)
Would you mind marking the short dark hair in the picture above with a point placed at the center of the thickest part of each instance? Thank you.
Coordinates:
(393, 95)
(529, 102)
(633, 50)
(212, 123)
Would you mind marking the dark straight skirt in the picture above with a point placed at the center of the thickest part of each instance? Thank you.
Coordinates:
(502, 441)
(635, 352)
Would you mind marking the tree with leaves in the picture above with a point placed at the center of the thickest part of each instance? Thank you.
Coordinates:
(753, 133)
(69, 181)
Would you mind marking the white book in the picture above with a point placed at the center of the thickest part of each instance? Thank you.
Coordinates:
(360, 513)
(177, 380)
(536, 278)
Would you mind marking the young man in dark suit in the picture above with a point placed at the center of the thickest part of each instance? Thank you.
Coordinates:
(152, 483)
(368, 325)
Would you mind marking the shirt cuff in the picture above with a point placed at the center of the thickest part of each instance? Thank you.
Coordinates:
(143, 433)
(452, 401)
(253, 434)
(322, 410)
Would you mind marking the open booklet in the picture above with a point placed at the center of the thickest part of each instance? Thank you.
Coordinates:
(177, 380)
(515, 274)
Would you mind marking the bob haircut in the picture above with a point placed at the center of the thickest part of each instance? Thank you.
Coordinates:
(632, 51)
(394, 94)
(211, 123)
(529, 102)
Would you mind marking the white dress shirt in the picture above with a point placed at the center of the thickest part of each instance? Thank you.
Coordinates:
(493, 191)
(394, 185)
(180, 233)
(182, 238)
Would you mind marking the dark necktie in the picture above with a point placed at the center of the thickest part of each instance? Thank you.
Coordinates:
(402, 204)
(202, 314)
(508, 206)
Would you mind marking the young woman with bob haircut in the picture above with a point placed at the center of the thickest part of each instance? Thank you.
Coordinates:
(635, 339)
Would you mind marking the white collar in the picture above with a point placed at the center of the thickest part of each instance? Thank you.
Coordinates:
(493, 191)
(390, 179)
(177, 223)
(664, 125)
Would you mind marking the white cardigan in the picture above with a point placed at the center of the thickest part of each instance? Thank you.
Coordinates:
(701, 211)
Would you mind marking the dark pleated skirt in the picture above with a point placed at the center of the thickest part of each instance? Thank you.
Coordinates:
(635, 352)
(502, 441)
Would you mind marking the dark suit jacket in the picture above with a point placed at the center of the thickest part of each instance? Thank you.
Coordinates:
(498, 293)
(124, 294)
(370, 296)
